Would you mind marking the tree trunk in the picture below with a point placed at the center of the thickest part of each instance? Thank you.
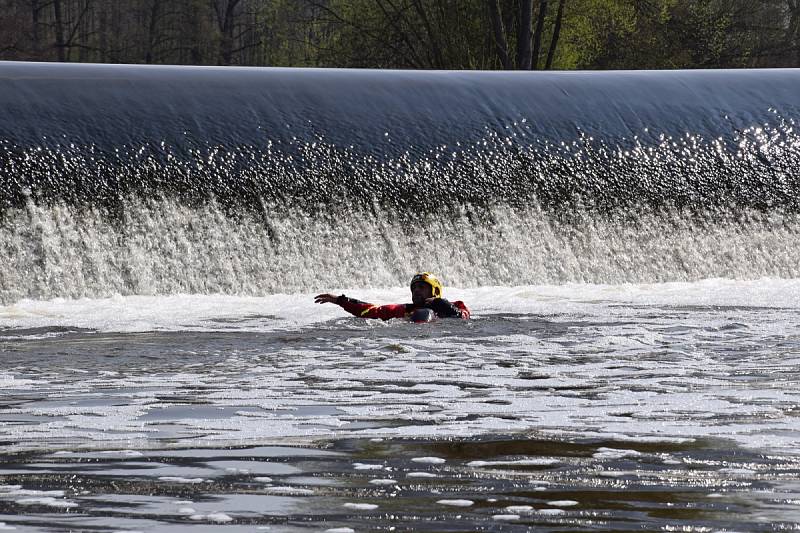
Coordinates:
(537, 36)
(556, 32)
(794, 30)
(524, 35)
(438, 59)
(102, 38)
(36, 39)
(84, 33)
(60, 44)
(151, 30)
(226, 19)
(191, 33)
(499, 34)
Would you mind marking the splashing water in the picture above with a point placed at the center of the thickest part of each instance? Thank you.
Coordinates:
(581, 213)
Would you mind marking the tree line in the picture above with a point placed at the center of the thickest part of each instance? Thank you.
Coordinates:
(416, 34)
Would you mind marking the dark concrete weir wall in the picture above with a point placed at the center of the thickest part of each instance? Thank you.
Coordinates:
(110, 105)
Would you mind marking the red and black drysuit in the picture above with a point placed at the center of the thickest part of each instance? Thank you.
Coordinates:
(443, 308)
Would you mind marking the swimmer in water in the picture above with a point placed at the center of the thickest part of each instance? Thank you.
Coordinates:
(426, 297)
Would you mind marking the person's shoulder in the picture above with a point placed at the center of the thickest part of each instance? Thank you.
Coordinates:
(407, 307)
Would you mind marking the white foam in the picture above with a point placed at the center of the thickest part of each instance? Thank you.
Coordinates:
(365, 466)
(519, 508)
(220, 518)
(421, 474)
(178, 479)
(600, 339)
(288, 311)
(518, 462)
(562, 503)
(288, 491)
(47, 501)
(360, 506)
(429, 460)
(551, 512)
(456, 503)
(123, 453)
(14, 491)
(383, 482)
(505, 517)
(614, 453)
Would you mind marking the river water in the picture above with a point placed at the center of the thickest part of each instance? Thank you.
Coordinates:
(628, 243)
(669, 406)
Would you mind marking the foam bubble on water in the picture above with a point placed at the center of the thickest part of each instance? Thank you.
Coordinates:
(518, 462)
(47, 501)
(288, 491)
(519, 508)
(383, 481)
(360, 506)
(505, 517)
(17, 490)
(562, 503)
(123, 453)
(429, 460)
(614, 453)
(644, 439)
(9, 382)
(366, 466)
(340, 530)
(178, 479)
(421, 474)
(219, 517)
(456, 503)
(4, 526)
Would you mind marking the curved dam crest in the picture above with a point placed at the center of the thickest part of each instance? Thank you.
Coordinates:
(161, 180)
(111, 105)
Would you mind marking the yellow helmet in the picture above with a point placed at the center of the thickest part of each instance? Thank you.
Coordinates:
(430, 279)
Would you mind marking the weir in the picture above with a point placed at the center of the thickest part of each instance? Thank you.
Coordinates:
(156, 180)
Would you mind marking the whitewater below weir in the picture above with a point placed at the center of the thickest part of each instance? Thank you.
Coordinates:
(670, 406)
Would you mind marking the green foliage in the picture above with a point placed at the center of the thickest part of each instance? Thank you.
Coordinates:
(420, 34)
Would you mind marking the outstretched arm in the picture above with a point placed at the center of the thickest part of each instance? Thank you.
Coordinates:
(363, 309)
(447, 309)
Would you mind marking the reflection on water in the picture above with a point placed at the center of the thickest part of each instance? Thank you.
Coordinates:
(492, 484)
